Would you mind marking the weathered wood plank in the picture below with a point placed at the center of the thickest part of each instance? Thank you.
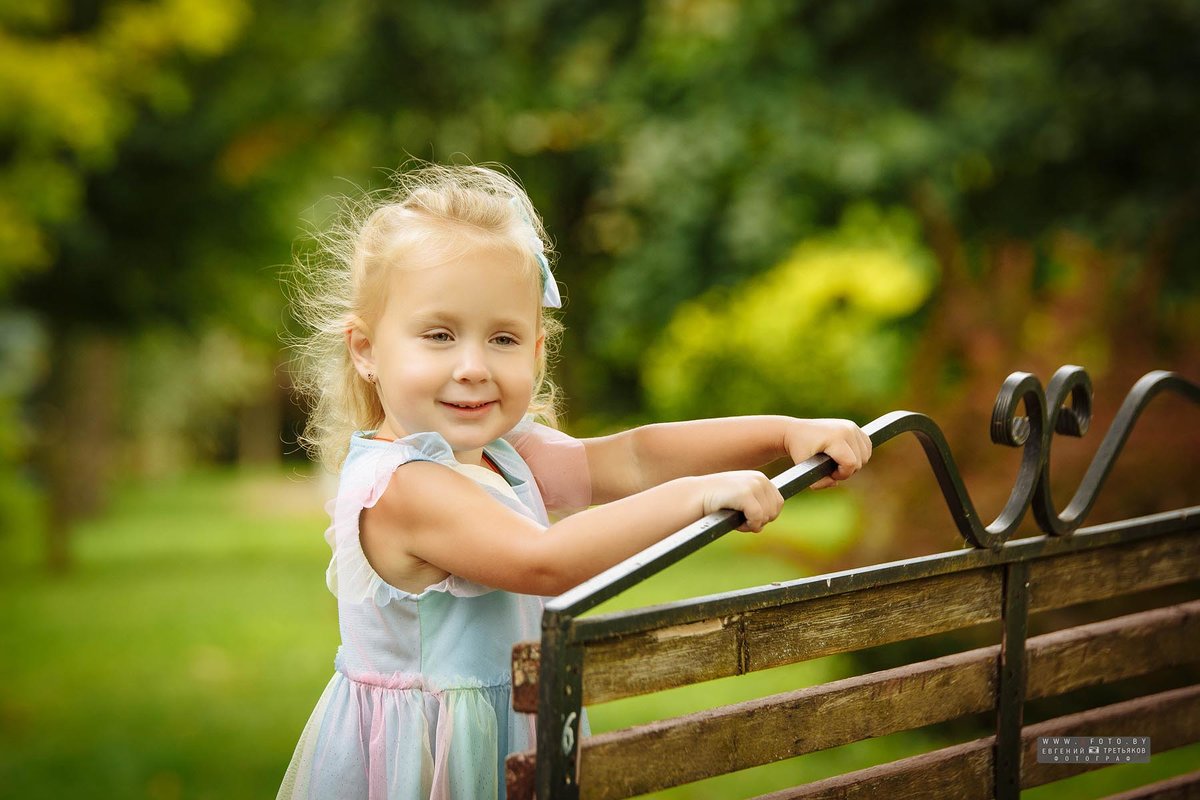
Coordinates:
(1171, 719)
(684, 749)
(1113, 649)
(1111, 571)
(803, 631)
(1181, 787)
(1059, 662)
(654, 660)
(526, 659)
(963, 770)
(697, 609)
(1065, 660)
(662, 659)
(520, 775)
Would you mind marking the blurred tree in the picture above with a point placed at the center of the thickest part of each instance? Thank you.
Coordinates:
(75, 79)
(158, 155)
(745, 128)
(1048, 150)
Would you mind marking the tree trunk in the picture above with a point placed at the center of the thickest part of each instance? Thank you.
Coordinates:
(260, 425)
(80, 418)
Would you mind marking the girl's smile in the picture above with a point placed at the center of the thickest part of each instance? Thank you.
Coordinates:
(455, 350)
(469, 410)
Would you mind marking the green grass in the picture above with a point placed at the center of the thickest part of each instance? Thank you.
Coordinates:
(182, 655)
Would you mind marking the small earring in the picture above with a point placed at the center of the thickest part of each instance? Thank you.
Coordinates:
(370, 377)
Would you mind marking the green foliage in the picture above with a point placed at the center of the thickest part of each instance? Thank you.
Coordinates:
(740, 129)
(70, 90)
(817, 334)
(157, 174)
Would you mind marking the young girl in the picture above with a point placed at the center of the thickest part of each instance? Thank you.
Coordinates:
(427, 367)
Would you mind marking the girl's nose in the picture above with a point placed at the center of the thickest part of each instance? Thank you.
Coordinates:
(472, 365)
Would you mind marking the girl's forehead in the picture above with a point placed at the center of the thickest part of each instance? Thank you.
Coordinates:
(454, 250)
(483, 278)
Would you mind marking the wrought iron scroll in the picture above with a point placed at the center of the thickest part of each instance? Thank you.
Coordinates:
(1073, 420)
(1008, 429)
(1064, 407)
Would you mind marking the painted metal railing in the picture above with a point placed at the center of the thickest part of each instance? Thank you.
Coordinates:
(1024, 416)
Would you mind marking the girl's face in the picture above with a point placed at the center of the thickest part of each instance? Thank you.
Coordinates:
(456, 349)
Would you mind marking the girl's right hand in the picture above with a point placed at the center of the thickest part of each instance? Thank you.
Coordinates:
(747, 491)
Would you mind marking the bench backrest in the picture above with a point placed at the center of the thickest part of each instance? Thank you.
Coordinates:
(600, 658)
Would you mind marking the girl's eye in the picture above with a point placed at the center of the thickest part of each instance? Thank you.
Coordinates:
(438, 336)
(505, 340)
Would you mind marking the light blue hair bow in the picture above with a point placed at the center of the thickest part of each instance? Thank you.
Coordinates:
(550, 295)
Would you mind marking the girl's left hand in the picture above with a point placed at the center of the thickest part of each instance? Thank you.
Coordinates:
(840, 439)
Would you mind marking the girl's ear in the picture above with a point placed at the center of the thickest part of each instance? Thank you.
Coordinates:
(358, 343)
(539, 345)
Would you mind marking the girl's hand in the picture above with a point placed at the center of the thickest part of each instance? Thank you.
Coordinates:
(747, 491)
(840, 439)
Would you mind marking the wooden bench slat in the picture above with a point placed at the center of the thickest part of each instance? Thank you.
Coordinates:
(1059, 662)
(1171, 719)
(1085, 655)
(1112, 571)
(1181, 787)
(732, 738)
(1113, 649)
(681, 655)
(1164, 717)
(966, 770)
(759, 732)
(856, 621)
(962, 770)
(526, 660)
(520, 775)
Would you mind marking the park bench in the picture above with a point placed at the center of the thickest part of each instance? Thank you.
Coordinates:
(598, 658)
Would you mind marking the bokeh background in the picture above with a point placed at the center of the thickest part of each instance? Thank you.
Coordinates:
(771, 206)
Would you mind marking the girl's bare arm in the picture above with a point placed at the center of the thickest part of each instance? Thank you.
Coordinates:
(448, 521)
(634, 460)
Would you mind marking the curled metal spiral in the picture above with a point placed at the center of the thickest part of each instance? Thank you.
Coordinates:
(1073, 420)
(1064, 408)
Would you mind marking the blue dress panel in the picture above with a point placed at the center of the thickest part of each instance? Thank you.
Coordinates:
(420, 703)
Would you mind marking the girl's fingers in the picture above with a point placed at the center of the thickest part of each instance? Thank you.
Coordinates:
(753, 516)
(762, 506)
(847, 459)
(863, 447)
(859, 444)
(753, 494)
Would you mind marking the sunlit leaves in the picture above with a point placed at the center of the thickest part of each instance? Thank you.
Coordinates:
(815, 334)
(68, 96)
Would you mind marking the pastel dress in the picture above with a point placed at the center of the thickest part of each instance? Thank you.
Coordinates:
(420, 703)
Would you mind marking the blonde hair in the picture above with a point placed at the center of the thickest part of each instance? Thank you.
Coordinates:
(341, 283)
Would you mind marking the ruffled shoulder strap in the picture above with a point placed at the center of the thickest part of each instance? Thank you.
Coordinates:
(365, 475)
(371, 462)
